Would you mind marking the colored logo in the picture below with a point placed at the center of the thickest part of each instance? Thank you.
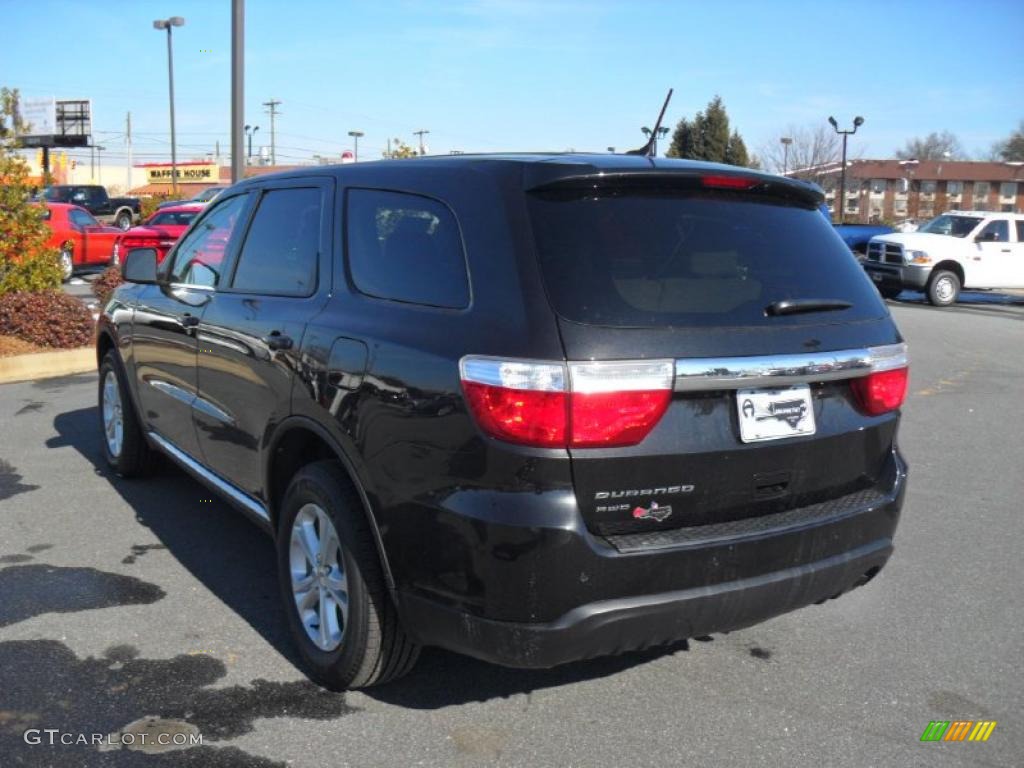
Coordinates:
(654, 512)
(958, 730)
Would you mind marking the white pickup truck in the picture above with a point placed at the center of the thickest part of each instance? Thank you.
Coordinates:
(960, 249)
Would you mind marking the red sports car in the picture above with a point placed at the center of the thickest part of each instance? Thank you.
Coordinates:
(159, 231)
(81, 240)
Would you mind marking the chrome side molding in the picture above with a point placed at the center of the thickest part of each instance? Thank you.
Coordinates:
(712, 373)
(242, 499)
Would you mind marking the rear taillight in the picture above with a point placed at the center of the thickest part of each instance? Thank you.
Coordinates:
(885, 388)
(581, 405)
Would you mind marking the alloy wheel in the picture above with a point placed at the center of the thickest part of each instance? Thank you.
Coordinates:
(318, 578)
(113, 421)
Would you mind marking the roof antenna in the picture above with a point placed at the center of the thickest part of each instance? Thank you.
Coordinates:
(647, 150)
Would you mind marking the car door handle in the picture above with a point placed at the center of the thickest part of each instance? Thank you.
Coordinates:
(189, 321)
(275, 340)
(1004, 250)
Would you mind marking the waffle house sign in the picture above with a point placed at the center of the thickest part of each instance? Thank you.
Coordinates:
(188, 173)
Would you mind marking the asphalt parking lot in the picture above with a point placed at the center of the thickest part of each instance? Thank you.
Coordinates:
(121, 601)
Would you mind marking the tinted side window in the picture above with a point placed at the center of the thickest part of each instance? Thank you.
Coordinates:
(406, 248)
(1020, 231)
(996, 231)
(82, 219)
(200, 256)
(280, 251)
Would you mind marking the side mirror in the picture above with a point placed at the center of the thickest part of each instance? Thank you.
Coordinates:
(140, 266)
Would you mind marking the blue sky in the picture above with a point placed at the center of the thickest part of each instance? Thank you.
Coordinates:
(524, 74)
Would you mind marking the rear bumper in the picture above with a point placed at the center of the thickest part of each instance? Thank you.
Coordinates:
(907, 275)
(539, 597)
(615, 626)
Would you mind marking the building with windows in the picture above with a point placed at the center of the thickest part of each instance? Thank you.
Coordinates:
(892, 190)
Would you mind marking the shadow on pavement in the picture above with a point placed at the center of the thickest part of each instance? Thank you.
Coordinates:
(235, 561)
(108, 695)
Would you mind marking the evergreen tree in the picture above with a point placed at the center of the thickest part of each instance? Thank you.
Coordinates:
(708, 137)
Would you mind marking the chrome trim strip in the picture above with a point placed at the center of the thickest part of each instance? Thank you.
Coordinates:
(211, 410)
(706, 374)
(244, 500)
(172, 390)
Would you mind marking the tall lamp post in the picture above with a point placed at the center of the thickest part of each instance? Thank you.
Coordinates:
(857, 123)
(248, 137)
(786, 141)
(168, 24)
(355, 135)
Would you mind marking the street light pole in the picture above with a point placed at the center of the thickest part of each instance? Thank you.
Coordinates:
(786, 141)
(857, 123)
(237, 88)
(248, 135)
(99, 164)
(355, 135)
(168, 24)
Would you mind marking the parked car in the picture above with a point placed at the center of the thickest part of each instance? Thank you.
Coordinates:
(529, 408)
(159, 231)
(122, 212)
(963, 249)
(206, 196)
(82, 241)
(856, 236)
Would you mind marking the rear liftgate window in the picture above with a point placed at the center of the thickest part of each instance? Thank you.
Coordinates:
(639, 258)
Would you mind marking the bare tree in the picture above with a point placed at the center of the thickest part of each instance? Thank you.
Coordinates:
(813, 148)
(934, 146)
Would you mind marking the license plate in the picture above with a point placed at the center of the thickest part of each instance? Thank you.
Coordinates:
(772, 414)
(877, 276)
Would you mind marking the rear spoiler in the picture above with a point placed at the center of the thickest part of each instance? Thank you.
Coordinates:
(741, 181)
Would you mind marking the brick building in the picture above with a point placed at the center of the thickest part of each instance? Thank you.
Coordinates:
(891, 190)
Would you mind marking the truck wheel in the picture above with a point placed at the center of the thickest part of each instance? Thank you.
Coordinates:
(67, 264)
(943, 288)
(890, 291)
(123, 220)
(124, 445)
(339, 611)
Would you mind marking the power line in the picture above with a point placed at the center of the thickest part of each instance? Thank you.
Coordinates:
(272, 110)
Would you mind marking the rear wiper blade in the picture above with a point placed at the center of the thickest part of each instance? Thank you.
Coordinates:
(797, 306)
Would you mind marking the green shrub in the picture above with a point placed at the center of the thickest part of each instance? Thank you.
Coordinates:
(47, 319)
(148, 204)
(26, 262)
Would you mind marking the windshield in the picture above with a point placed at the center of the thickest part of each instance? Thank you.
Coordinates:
(54, 194)
(955, 226)
(173, 218)
(207, 195)
(663, 259)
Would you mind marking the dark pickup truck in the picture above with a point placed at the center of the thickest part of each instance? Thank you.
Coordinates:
(122, 212)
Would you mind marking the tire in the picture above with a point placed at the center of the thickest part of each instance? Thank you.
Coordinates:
(67, 264)
(123, 220)
(890, 291)
(943, 288)
(368, 645)
(130, 456)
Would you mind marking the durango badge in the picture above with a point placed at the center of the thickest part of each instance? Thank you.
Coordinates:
(653, 512)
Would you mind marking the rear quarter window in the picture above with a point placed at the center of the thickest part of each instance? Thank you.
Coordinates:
(690, 259)
(405, 247)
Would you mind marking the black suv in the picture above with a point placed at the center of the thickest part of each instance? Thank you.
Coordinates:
(531, 408)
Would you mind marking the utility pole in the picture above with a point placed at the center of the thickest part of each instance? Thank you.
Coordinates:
(389, 149)
(99, 164)
(128, 145)
(237, 89)
(272, 110)
(420, 134)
